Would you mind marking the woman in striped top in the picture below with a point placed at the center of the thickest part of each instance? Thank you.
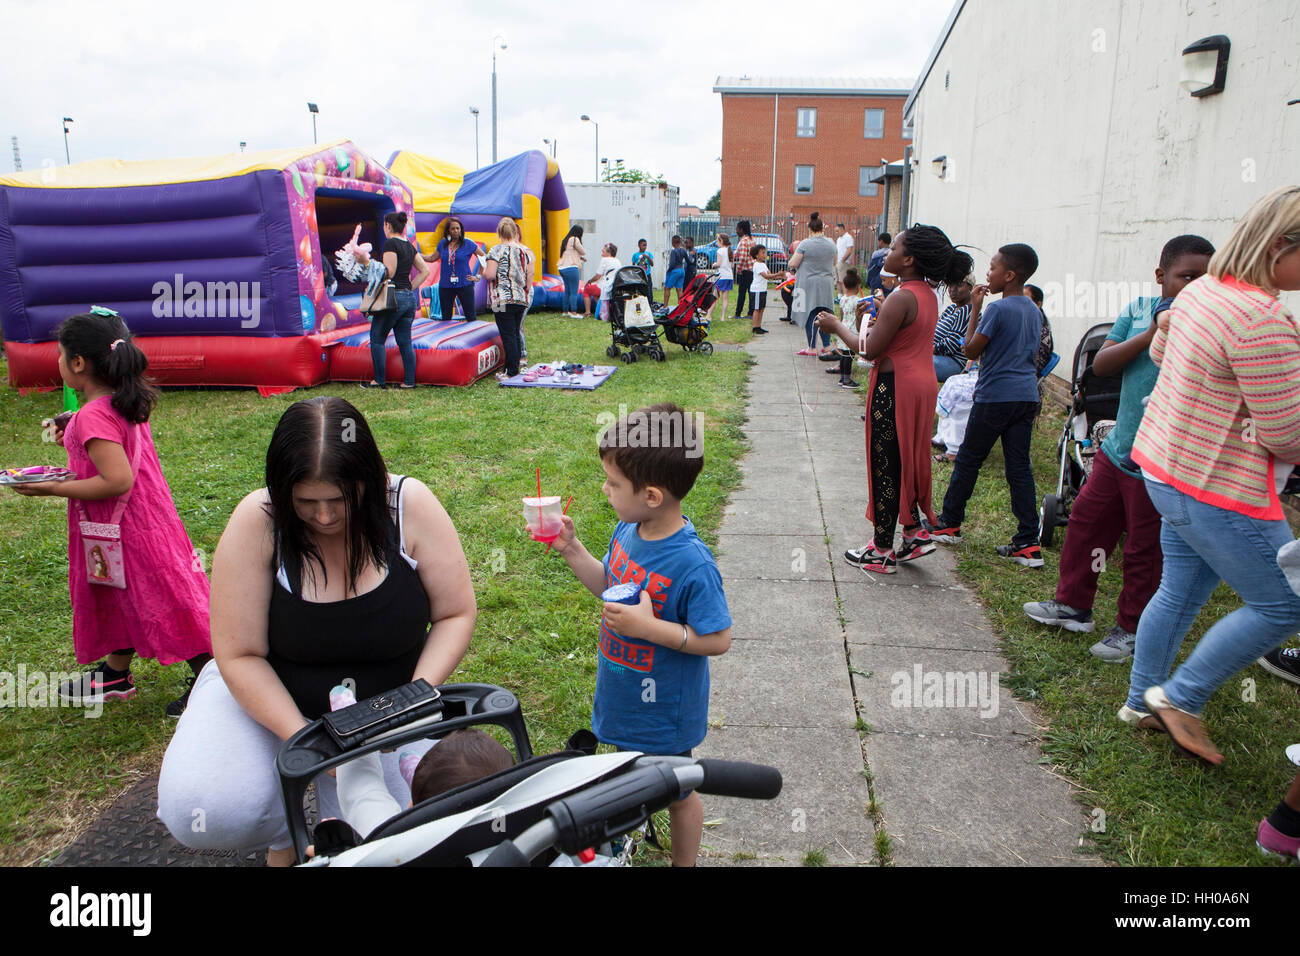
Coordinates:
(1219, 437)
(949, 334)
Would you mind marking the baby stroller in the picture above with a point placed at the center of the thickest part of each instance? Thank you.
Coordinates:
(639, 336)
(687, 324)
(557, 809)
(1092, 415)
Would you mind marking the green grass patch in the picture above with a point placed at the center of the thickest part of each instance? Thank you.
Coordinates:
(1157, 807)
(476, 447)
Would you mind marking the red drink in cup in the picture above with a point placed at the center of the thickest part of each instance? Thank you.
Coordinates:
(543, 517)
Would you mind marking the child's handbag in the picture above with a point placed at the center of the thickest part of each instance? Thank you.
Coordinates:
(637, 314)
(102, 542)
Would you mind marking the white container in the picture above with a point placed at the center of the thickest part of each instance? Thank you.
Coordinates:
(623, 213)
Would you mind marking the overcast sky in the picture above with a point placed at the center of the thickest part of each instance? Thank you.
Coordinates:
(146, 80)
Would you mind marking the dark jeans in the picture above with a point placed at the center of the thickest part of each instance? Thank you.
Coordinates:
(743, 279)
(1013, 422)
(399, 322)
(448, 295)
(509, 323)
(811, 332)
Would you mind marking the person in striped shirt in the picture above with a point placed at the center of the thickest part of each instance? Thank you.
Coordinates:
(1220, 434)
(950, 333)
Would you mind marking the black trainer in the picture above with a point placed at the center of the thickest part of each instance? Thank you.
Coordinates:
(759, 331)
(98, 684)
(1283, 662)
(177, 707)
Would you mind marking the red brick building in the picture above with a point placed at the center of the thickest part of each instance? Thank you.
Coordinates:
(797, 144)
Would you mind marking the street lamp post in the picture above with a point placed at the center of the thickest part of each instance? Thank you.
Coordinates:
(313, 109)
(553, 144)
(494, 92)
(66, 155)
(474, 112)
(587, 119)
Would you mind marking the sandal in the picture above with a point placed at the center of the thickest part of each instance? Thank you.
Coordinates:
(1184, 729)
(948, 458)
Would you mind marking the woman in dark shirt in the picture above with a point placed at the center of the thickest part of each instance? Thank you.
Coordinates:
(399, 258)
(456, 277)
(331, 573)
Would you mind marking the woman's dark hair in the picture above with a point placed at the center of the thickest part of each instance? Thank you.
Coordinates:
(815, 223)
(574, 233)
(327, 439)
(742, 228)
(446, 231)
(936, 258)
(113, 359)
(396, 222)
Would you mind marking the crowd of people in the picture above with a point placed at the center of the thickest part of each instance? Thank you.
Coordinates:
(1207, 432)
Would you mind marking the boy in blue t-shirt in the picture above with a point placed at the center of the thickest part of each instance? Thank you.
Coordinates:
(1114, 501)
(1005, 341)
(652, 677)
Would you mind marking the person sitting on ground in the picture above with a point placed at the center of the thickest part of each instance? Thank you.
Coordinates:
(949, 359)
(602, 280)
(1005, 341)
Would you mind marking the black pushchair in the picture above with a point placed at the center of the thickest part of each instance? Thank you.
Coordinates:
(1094, 405)
(639, 336)
(687, 324)
(558, 809)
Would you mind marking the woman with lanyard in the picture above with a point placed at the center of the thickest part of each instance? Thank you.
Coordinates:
(456, 277)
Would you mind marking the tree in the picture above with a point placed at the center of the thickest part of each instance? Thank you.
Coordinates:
(715, 202)
(618, 174)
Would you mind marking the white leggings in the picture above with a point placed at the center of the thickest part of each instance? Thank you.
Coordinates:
(219, 789)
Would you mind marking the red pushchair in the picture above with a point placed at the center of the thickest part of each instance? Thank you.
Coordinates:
(687, 324)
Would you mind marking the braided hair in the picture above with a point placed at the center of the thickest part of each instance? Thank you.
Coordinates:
(936, 258)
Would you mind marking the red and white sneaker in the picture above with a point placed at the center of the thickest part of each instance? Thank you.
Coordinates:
(915, 547)
(1031, 555)
(878, 562)
(946, 535)
(98, 684)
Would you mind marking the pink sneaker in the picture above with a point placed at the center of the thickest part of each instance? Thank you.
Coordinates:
(1279, 844)
(807, 352)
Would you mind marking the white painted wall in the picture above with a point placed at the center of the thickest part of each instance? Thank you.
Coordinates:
(622, 213)
(1065, 127)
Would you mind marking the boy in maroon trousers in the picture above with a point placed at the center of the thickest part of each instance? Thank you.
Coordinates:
(1114, 500)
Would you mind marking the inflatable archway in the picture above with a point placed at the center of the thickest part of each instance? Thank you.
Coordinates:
(214, 262)
(528, 188)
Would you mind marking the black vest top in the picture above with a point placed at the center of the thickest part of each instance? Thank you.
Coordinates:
(374, 638)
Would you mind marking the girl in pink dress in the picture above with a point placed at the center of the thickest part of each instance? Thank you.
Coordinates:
(162, 612)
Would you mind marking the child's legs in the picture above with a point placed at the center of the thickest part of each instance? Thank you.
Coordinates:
(686, 826)
(983, 429)
(1142, 559)
(1020, 472)
(1096, 523)
(886, 462)
(364, 801)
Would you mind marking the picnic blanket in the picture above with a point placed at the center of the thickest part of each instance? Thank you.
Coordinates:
(593, 376)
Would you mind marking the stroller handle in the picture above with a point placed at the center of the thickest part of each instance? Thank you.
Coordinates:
(622, 804)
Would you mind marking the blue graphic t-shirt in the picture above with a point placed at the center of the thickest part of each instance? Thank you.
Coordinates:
(648, 697)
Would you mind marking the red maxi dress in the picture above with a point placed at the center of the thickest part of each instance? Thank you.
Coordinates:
(915, 392)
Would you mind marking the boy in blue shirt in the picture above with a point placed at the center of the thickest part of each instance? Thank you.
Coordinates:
(1005, 341)
(1114, 501)
(652, 677)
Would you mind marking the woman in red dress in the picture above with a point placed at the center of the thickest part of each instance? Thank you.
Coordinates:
(901, 394)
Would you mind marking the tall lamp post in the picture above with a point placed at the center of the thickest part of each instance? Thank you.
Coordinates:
(587, 119)
(313, 109)
(474, 111)
(552, 144)
(494, 92)
(66, 155)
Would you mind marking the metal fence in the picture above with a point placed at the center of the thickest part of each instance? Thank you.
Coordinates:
(704, 229)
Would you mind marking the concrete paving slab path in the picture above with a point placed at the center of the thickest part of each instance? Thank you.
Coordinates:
(877, 697)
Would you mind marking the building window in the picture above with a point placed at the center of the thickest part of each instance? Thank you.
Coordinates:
(803, 179)
(865, 188)
(807, 122)
(873, 126)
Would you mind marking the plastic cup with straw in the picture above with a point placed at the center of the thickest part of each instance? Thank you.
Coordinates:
(542, 514)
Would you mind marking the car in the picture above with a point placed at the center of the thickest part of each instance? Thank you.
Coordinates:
(706, 257)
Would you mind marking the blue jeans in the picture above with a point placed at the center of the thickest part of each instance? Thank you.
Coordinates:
(399, 322)
(811, 332)
(945, 367)
(1202, 545)
(571, 277)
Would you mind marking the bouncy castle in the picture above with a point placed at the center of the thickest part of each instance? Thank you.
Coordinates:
(217, 264)
(528, 188)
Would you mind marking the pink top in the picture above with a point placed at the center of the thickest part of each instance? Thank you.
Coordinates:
(163, 612)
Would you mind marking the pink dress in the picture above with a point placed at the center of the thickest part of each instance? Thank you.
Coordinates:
(163, 611)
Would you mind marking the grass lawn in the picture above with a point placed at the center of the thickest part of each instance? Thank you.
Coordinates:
(476, 447)
(1156, 806)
